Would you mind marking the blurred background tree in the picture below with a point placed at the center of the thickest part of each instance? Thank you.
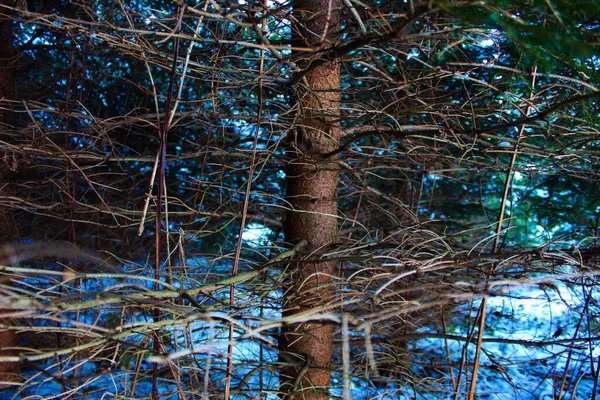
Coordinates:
(155, 137)
(9, 341)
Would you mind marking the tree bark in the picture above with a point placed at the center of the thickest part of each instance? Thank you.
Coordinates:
(307, 348)
(9, 371)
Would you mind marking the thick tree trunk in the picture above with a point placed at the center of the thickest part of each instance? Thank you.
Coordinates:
(311, 193)
(9, 371)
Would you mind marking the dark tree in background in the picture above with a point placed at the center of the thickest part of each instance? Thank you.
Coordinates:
(9, 370)
(299, 199)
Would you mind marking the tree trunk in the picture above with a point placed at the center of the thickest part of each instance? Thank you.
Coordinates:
(311, 193)
(9, 371)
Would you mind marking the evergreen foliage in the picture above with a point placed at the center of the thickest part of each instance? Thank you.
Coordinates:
(141, 140)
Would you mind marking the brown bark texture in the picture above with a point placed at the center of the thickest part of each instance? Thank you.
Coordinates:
(307, 348)
(9, 371)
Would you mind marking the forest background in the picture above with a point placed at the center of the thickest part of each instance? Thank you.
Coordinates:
(299, 199)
